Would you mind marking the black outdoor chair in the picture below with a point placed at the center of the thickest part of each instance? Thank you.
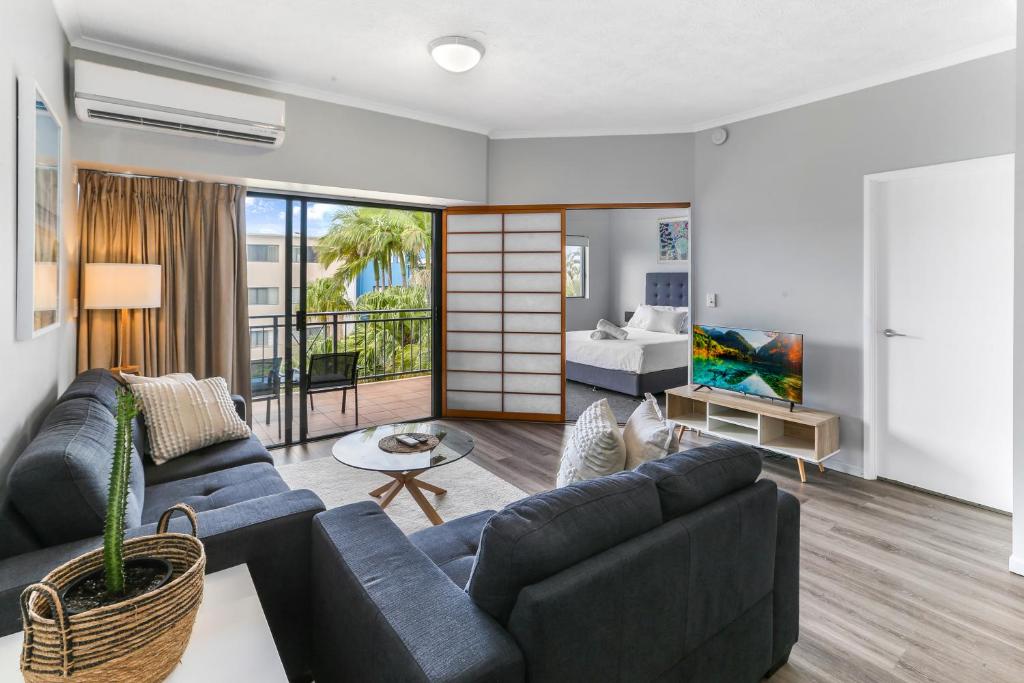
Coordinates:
(334, 372)
(265, 383)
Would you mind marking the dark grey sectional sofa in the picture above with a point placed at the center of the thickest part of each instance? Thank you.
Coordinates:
(684, 570)
(56, 499)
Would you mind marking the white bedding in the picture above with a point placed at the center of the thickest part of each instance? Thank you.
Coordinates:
(641, 352)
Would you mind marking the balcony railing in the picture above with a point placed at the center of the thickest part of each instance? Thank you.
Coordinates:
(391, 343)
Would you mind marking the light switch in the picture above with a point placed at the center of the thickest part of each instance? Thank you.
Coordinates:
(712, 300)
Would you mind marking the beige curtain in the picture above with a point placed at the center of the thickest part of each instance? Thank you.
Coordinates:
(196, 231)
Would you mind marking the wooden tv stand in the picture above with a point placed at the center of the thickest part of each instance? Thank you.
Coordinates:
(804, 434)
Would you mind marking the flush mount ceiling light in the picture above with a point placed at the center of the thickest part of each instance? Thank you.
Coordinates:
(456, 53)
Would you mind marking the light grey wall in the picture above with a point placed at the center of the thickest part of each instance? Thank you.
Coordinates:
(583, 314)
(326, 145)
(610, 169)
(32, 47)
(1017, 559)
(635, 247)
(778, 216)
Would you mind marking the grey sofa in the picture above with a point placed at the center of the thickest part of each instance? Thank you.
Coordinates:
(684, 570)
(56, 498)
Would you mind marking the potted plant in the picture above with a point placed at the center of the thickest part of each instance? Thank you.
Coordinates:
(121, 612)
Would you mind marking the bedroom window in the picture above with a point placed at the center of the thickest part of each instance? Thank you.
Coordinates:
(577, 252)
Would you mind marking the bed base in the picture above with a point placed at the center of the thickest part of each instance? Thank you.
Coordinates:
(627, 382)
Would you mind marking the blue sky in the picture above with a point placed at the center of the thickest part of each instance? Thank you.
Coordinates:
(265, 216)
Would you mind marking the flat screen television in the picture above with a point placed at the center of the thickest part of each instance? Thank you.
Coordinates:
(757, 362)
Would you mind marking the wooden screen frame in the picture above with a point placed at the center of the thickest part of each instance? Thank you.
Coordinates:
(500, 415)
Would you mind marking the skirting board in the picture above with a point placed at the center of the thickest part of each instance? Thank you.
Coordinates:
(1017, 564)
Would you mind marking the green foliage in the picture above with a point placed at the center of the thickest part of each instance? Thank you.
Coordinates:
(574, 272)
(376, 237)
(327, 294)
(117, 495)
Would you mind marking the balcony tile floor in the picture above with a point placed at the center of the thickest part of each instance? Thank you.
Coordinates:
(379, 403)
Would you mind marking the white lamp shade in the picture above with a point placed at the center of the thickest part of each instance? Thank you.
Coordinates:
(121, 285)
(44, 293)
(456, 53)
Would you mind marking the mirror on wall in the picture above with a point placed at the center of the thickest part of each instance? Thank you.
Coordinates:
(39, 206)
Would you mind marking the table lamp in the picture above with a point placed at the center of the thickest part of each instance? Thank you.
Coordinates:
(111, 286)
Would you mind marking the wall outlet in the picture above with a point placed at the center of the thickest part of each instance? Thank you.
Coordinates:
(712, 300)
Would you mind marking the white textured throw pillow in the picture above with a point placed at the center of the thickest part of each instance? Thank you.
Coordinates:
(647, 435)
(130, 378)
(595, 446)
(184, 416)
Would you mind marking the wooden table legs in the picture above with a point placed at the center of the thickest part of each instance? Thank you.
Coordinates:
(408, 480)
(803, 472)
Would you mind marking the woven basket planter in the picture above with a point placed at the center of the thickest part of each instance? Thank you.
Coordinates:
(139, 640)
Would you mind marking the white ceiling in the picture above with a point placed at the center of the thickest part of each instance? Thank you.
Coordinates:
(553, 67)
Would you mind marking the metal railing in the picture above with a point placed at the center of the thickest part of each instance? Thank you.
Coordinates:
(392, 343)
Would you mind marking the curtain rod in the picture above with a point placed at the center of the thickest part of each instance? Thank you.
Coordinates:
(129, 174)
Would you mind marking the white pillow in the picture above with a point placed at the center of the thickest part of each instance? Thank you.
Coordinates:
(185, 416)
(655, 319)
(647, 435)
(595, 447)
(685, 310)
(130, 379)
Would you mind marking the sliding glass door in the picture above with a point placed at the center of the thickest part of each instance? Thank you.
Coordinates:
(342, 315)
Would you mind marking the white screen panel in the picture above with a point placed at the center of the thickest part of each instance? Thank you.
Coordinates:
(533, 262)
(533, 221)
(533, 322)
(462, 400)
(474, 222)
(487, 263)
(541, 384)
(533, 362)
(474, 322)
(476, 381)
(474, 361)
(533, 403)
(543, 303)
(534, 241)
(531, 282)
(471, 282)
(537, 343)
(474, 341)
(474, 243)
(475, 302)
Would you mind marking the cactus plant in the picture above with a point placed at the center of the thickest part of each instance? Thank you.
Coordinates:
(117, 498)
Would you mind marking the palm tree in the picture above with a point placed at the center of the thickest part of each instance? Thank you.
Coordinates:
(573, 273)
(378, 237)
(326, 294)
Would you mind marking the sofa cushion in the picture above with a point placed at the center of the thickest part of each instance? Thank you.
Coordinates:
(15, 535)
(59, 483)
(97, 384)
(539, 536)
(452, 546)
(214, 490)
(694, 478)
(219, 456)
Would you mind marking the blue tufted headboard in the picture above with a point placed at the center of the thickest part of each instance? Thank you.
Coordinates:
(667, 289)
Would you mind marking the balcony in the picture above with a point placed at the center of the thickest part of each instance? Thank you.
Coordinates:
(394, 370)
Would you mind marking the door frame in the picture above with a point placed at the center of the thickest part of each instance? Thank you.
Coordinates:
(289, 438)
(870, 331)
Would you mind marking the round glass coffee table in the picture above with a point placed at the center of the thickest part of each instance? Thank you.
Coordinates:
(360, 450)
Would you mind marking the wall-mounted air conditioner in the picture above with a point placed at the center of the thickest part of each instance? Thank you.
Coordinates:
(132, 99)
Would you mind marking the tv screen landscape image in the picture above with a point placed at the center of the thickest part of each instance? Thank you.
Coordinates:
(755, 362)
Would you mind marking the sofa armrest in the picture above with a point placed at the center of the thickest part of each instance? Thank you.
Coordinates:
(239, 405)
(786, 591)
(381, 610)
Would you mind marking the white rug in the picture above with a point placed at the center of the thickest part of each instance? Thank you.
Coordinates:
(470, 488)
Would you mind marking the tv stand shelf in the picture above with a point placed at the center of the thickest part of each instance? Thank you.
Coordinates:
(805, 434)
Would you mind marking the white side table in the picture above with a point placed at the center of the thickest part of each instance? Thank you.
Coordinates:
(230, 641)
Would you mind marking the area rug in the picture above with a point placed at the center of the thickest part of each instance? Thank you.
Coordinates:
(470, 488)
(578, 398)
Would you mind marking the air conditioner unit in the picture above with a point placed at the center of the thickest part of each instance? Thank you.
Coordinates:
(132, 99)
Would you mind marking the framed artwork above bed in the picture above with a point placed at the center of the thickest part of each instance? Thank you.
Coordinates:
(674, 240)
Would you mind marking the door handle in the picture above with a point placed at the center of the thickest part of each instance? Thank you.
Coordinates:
(300, 320)
(892, 333)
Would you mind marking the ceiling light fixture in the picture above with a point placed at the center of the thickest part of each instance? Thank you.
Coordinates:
(456, 53)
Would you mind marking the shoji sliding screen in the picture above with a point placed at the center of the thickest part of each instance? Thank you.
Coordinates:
(504, 307)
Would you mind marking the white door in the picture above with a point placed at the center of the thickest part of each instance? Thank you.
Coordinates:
(939, 331)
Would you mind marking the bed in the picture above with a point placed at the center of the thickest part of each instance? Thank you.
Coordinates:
(646, 361)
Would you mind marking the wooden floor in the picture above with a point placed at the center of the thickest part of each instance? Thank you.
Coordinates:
(896, 584)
